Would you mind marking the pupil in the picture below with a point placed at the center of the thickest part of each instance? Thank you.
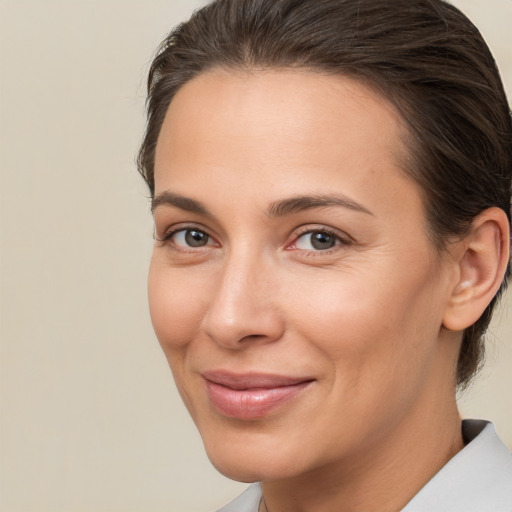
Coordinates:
(196, 238)
(322, 241)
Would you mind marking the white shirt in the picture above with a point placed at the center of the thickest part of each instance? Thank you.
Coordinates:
(477, 479)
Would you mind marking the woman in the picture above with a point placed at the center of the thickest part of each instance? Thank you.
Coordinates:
(330, 185)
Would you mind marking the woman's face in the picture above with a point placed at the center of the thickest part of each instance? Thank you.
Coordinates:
(293, 287)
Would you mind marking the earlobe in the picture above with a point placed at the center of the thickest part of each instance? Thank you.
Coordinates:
(482, 262)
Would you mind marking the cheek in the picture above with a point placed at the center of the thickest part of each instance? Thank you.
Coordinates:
(176, 304)
(367, 327)
(377, 346)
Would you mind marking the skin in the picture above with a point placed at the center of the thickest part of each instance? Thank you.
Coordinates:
(365, 320)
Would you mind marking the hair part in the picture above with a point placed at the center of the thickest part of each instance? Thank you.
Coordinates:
(424, 56)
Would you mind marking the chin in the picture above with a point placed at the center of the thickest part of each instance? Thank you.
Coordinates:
(246, 470)
(240, 471)
(251, 458)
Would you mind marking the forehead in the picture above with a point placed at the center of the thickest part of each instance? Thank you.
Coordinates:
(287, 128)
(282, 102)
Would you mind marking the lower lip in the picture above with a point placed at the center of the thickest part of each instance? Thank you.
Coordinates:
(249, 404)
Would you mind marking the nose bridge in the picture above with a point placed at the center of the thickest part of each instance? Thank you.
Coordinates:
(243, 307)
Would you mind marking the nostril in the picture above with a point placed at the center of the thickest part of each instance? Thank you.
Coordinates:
(252, 338)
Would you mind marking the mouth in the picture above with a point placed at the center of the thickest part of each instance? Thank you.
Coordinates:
(251, 396)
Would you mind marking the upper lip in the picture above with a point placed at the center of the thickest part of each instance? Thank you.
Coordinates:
(252, 380)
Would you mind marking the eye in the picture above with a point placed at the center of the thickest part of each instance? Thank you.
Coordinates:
(189, 238)
(317, 241)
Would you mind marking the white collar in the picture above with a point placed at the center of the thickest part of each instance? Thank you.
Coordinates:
(477, 479)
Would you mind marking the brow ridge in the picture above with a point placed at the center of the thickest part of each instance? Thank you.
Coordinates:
(183, 203)
(307, 202)
(278, 208)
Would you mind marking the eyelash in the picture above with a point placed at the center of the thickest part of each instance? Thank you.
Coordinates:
(178, 229)
(306, 230)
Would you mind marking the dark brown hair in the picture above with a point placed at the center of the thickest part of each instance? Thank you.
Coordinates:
(425, 56)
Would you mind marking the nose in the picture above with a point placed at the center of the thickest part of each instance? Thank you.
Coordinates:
(244, 309)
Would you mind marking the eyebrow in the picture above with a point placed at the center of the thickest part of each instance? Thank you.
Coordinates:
(181, 202)
(279, 208)
(301, 203)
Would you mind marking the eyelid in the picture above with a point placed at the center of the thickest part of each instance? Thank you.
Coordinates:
(341, 236)
(185, 226)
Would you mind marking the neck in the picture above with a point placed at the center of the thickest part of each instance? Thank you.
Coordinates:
(385, 477)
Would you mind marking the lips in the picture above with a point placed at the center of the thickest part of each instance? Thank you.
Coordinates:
(251, 395)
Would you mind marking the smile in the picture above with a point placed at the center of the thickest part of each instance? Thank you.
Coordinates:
(251, 396)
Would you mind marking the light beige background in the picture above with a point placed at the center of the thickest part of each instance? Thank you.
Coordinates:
(90, 420)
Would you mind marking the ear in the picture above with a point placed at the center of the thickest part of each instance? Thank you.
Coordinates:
(481, 260)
